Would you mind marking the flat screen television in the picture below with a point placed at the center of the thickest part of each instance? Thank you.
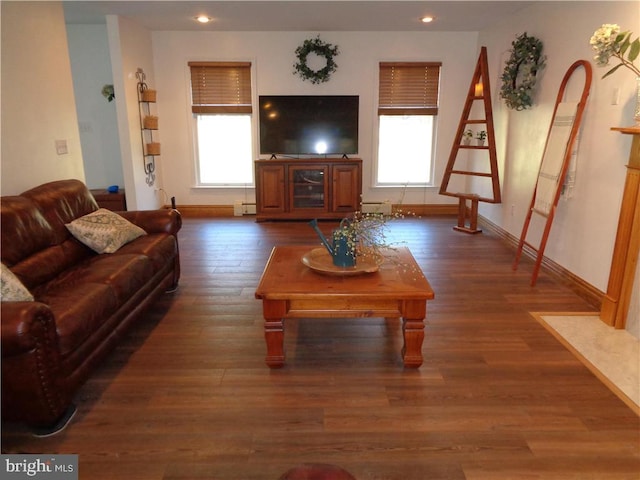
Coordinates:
(309, 124)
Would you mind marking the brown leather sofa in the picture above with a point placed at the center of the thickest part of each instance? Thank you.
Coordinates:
(83, 301)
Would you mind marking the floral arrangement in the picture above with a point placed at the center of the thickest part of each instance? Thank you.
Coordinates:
(366, 233)
(468, 133)
(608, 41)
(321, 49)
(481, 135)
(519, 75)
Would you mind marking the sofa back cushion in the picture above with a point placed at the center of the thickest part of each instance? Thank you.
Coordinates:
(24, 230)
(61, 202)
(35, 243)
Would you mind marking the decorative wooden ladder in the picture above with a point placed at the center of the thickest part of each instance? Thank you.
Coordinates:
(561, 139)
(479, 90)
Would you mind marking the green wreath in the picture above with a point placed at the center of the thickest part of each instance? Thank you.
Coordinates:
(519, 75)
(321, 49)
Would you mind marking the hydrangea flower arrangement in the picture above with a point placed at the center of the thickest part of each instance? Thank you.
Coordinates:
(608, 42)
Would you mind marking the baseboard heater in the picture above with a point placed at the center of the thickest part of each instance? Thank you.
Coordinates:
(242, 208)
(384, 208)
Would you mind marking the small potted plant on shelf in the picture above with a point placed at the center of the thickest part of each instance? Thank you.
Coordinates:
(466, 137)
(108, 92)
(480, 137)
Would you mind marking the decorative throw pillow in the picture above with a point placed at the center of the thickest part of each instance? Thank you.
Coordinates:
(12, 289)
(104, 231)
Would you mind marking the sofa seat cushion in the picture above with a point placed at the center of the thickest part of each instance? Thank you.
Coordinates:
(161, 248)
(124, 274)
(49, 263)
(79, 311)
(86, 296)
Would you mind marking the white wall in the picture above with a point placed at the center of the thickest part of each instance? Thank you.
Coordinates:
(130, 47)
(583, 232)
(38, 105)
(97, 120)
(272, 56)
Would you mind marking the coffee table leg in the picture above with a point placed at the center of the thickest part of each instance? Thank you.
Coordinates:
(413, 333)
(274, 332)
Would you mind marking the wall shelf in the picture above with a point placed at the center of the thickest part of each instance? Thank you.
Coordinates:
(148, 125)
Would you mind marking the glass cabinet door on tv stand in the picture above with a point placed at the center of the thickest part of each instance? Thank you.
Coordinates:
(308, 188)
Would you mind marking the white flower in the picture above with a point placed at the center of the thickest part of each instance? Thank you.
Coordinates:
(608, 41)
(605, 34)
(604, 43)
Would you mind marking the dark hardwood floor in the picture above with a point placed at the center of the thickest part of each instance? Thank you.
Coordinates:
(188, 396)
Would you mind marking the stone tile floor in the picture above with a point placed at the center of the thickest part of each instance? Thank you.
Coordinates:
(612, 355)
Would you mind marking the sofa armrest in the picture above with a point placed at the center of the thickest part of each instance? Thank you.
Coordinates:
(155, 221)
(27, 326)
(32, 379)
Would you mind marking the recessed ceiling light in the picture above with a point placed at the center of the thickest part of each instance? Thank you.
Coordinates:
(203, 19)
(427, 19)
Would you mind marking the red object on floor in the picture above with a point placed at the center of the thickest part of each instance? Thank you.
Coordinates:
(317, 471)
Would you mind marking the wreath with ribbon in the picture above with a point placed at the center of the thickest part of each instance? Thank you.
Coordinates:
(321, 49)
(519, 75)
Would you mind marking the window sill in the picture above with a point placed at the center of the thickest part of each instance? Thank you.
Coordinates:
(405, 185)
(226, 186)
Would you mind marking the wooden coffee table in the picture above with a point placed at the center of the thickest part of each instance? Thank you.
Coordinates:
(289, 289)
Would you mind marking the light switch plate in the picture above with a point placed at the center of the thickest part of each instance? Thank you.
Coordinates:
(61, 147)
(615, 96)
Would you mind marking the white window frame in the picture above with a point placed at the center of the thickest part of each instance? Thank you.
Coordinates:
(409, 184)
(198, 161)
(399, 99)
(197, 169)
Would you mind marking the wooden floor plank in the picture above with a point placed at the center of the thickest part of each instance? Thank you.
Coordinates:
(187, 394)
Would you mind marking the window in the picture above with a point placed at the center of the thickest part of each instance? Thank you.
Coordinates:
(221, 104)
(407, 110)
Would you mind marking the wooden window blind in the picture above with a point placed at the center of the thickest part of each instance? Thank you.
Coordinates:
(220, 87)
(409, 88)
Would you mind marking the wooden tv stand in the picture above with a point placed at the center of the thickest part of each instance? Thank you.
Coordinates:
(306, 188)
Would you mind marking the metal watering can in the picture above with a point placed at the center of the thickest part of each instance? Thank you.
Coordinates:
(341, 252)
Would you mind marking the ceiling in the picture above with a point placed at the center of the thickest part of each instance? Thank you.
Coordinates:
(300, 15)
